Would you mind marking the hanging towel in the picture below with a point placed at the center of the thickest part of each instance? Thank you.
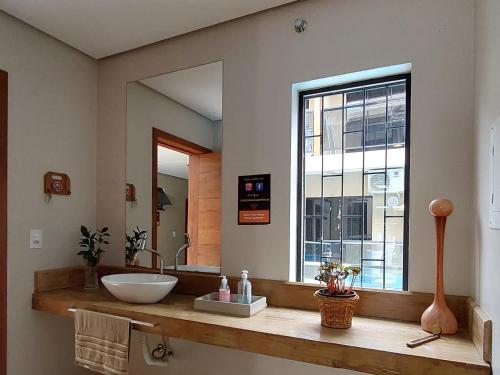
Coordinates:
(102, 342)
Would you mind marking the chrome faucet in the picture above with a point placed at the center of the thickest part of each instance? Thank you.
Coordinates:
(185, 246)
(162, 262)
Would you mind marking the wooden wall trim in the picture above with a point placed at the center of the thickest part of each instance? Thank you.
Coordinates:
(176, 143)
(480, 329)
(59, 278)
(3, 221)
(404, 306)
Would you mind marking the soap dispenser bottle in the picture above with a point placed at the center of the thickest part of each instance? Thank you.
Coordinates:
(224, 291)
(244, 288)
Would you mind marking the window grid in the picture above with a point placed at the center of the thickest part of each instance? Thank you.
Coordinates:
(387, 86)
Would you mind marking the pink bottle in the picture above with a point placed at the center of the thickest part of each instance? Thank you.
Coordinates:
(224, 291)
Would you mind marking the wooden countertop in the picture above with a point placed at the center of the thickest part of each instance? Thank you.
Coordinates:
(372, 345)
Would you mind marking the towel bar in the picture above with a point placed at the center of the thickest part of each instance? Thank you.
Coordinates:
(138, 322)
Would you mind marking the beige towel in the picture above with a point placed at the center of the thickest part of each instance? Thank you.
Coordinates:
(102, 342)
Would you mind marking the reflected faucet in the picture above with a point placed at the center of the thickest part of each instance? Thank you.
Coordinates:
(185, 246)
(154, 252)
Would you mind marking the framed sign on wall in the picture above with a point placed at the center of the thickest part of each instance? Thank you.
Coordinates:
(254, 199)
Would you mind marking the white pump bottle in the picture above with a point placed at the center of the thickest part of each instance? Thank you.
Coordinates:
(244, 288)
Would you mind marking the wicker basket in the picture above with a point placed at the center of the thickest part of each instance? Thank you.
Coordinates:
(336, 312)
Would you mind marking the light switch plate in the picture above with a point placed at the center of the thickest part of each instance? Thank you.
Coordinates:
(36, 239)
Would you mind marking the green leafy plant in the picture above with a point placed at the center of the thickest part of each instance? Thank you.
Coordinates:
(134, 243)
(335, 276)
(92, 244)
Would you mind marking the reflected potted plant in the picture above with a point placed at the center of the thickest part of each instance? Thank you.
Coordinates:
(133, 245)
(92, 244)
(337, 301)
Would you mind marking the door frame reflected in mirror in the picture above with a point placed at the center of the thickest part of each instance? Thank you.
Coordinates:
(164, 139)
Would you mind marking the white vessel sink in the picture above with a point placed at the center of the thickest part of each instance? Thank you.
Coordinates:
(139, 287)
(195, 268)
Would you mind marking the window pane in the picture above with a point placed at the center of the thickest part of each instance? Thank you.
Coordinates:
(332, 101)
(353, 184)
(395, 204)
(332, 132)
(374, 190)
(397, 105)
(373, 250)
(375, 137)
(332, 187)
(372, 274)
(375, 114)
(353, 158)
(312, 260)
(354, 98)
(312, 252)
(312, 230)
(394, 231)
(357, 218)
(313, 164)
(312, 117)
(394, 253)
(352, 253)
(331, 219)
(354, 119)
(376, 95)
(332, 251)
(312, 188)
(375, 150)
(395, 192)
(313, 206)
(396, 138)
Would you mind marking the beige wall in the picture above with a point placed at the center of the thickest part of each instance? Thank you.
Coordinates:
(262, 58)
(487, 254)
(173, 218)
(146, 109)
(52, 126)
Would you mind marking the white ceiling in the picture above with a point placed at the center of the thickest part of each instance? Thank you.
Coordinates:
(198, 88)
(172, 163)
(101, 28)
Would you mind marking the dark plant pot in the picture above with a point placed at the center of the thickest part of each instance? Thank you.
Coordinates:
(91, 277)
(325, 293)
(336, 310)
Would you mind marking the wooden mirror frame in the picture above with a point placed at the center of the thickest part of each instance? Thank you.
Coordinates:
(161, 138)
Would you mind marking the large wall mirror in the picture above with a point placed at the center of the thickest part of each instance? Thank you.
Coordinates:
(174, 146)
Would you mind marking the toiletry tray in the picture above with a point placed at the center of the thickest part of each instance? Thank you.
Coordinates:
(210, 302)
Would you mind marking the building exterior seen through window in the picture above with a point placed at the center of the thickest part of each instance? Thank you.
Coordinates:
(353, 189)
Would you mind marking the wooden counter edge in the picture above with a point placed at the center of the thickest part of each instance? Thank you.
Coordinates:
(293, 348)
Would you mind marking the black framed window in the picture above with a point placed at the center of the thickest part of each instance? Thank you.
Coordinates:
(353, 182)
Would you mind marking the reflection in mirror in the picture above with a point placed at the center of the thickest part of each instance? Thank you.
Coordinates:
(174, 145)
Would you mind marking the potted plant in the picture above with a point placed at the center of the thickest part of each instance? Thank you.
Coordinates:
(337, 301)
(133, 246)
(92, 244)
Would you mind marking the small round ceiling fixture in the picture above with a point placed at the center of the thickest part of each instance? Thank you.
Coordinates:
(300, 25)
